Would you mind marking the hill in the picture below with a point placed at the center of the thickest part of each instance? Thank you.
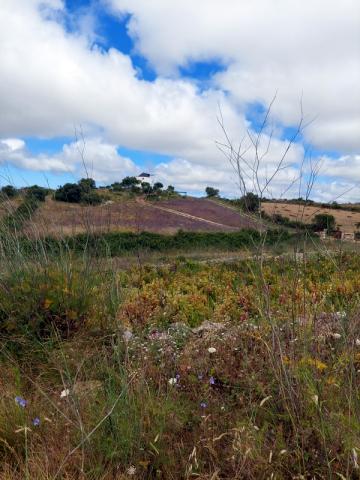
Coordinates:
(136, 214)
(346, 220)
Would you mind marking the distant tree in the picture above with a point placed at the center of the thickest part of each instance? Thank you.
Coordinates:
(250, 202)
(70, 192)
(116, 187)
(87, 184)
(9, 191)
(146, 187)
(158, 186)
(324, 221)
(170, 189)
(91, 198)
(39, 193)
(129, 182)
(211, 192)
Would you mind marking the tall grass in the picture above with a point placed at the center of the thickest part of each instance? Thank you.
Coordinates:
(241, 370)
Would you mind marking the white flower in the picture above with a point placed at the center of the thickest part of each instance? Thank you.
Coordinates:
(315, 399)
(65, 393)
(172, 381)
(336, 335)
(127, 335)
(211, 350)
(282, 452)
(355, 458)
(131, 470)
(357, 342)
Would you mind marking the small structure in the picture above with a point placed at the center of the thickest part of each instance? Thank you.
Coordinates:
(144, 177)
(348, 236)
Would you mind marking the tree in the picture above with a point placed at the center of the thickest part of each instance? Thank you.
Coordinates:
(324, 221)
(170, 189)
(158, 186)
(70, 192)
(129, 182)
(9, 191)
(146, 187)
(87, 184)
(36, 192)
(212, 192)
(250, 202)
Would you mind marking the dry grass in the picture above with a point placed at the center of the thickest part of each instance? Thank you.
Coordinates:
(57, 218)
(345, 220)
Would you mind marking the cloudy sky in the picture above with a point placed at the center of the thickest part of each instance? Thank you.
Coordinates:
(143, 82)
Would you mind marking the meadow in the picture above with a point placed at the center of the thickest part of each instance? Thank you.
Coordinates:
(346, 220)
(248, 369)
(204, 354)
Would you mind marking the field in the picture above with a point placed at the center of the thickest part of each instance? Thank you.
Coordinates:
(128, 355)
(345, 220)
(58, 219)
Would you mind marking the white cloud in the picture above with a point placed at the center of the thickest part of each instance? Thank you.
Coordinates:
(51, 80)
(100, 160)
(296, 47)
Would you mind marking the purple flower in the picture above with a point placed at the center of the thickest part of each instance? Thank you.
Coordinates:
(203, 405)
(36, 422)
(20, 401)
(212, 381)
(177, 376)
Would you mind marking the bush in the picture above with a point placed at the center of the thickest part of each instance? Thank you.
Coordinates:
(36, 192)
(70, 192)
(324, 221)
(212, 192)
(87, 184)
(91, 198)
(9, 191)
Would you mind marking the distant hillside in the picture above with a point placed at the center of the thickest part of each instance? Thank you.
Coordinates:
(164, 216)
(346, 220)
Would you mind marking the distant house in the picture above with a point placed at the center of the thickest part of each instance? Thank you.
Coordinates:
(144, 177)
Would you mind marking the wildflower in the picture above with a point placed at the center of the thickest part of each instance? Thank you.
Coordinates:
(131, 470)
(172, 381)
(20, 401)
(203, 405)
(212, 381)
(315, 399)
(211, 350)
(36, 422)
(127, 335)
(282, 452)
(355, 458)
(65, 393)
(357, 342)
(177, 376)
(336, 335)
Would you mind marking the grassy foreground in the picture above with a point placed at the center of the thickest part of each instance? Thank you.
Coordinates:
(231, 371)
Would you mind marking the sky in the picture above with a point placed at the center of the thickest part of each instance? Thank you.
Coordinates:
(110, 88)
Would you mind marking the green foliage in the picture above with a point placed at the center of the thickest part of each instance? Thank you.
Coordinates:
(212, 192)
(70, 192)
(324, 222)
(8, 191)
(14, 221)
(81, 192)
(87, 184)
(119, 243)
(37, 193)
(249, 202)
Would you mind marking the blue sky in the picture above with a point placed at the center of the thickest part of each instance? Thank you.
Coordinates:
(145, 81)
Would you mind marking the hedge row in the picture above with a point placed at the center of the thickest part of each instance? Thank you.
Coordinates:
(118, 243)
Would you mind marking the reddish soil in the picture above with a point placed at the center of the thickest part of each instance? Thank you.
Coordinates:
(57, 218)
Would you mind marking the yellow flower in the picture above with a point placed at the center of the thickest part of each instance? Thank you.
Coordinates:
(47, 303)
